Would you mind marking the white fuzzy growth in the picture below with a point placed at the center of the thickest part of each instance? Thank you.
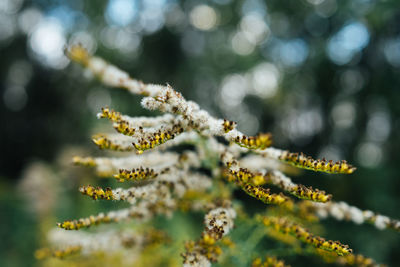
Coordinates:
(367, 214)
(196, 260)
(154, 160)
(272, 152)
(112, 76)
(343, 211)
(281, 180)
(220, 217)
(356, 215)
(381, 222)
(123, 141)
(109, 241)
(133, 86)
(216, 126)
(97, 65)
(154, 89)
(132, 194)
(197, 182)
(186, 137)
(162, 98)
(136, 122)
(255, 163)
(150, 103)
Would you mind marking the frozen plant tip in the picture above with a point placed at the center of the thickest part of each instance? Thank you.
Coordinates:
(175, 162)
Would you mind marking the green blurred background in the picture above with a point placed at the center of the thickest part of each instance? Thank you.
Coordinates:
(322, 75)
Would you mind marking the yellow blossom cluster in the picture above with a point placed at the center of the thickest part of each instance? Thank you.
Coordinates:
(135, 174)
(157, 139)
(243, 176)
(309, 193)
(218, 223)
(121, 126)
(84, 222)
(97, 192)
(285, 226)
(228, 125)
(302, 161)
(103, 142)
(260, 141)
(265, 195)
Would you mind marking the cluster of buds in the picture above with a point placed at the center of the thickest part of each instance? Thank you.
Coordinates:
(287, 227)
(302, 161)
(243, 176)
(137, 174)
(157, 139)
(110, 114)
(120, 125)
(97, 192)
(103, 142)
(260, 141)
(84, 222)
(309, 193)
(264, 194)
(228, 125)
(218, 222)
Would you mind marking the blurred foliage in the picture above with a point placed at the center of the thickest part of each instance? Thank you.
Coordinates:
(321, 75)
